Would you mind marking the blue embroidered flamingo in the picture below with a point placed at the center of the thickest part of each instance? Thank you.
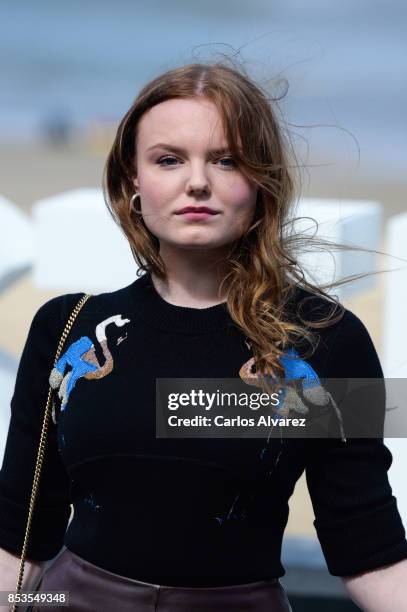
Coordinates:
(295, 368)
(81, 357)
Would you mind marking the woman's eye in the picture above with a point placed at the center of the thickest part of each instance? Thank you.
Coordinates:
(170, 157)
(228, 159)
(167, 157)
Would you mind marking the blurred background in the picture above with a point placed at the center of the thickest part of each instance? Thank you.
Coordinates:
(69, 71)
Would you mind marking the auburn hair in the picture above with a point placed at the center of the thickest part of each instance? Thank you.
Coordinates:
(263, 265)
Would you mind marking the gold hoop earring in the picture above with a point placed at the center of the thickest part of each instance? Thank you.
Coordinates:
(133, 197)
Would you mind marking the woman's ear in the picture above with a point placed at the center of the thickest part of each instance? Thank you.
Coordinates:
(135, 183)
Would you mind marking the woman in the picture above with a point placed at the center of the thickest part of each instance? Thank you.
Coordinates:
(198, 179)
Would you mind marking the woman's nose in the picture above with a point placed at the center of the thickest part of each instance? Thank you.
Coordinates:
(198, 180)
(201, 189)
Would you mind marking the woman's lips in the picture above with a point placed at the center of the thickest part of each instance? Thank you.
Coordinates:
(196, 216)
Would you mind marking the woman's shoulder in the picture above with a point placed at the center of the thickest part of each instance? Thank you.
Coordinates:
(312, 307)
(51, 316)
(55, 309)
(343, 338)
(60, 306)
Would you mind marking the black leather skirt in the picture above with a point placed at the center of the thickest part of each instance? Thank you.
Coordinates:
(92, 589)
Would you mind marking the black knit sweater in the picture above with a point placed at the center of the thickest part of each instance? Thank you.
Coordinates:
(164, 510)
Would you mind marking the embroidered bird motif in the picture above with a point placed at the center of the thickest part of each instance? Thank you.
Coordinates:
(295, 369)
(82, 359)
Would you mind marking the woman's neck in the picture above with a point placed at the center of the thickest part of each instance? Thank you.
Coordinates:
(192, 281)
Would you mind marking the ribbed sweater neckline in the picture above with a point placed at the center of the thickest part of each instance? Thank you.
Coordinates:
(159, 313)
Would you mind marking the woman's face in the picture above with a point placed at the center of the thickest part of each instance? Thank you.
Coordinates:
(188, 169)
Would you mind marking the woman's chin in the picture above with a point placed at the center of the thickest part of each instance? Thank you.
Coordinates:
(193, 245)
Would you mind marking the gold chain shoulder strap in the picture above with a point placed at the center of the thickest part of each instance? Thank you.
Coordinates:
(41, 449)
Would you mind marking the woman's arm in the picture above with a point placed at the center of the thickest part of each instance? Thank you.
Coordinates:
(9, 568)
(52, 506)
(381, 590)
(356, 515)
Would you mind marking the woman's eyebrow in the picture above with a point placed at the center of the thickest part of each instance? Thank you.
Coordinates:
(182, 151)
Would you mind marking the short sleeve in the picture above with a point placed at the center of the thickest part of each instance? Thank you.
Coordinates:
(356, 516)
(52, 505)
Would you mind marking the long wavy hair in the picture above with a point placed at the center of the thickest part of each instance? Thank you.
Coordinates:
(263, 264)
